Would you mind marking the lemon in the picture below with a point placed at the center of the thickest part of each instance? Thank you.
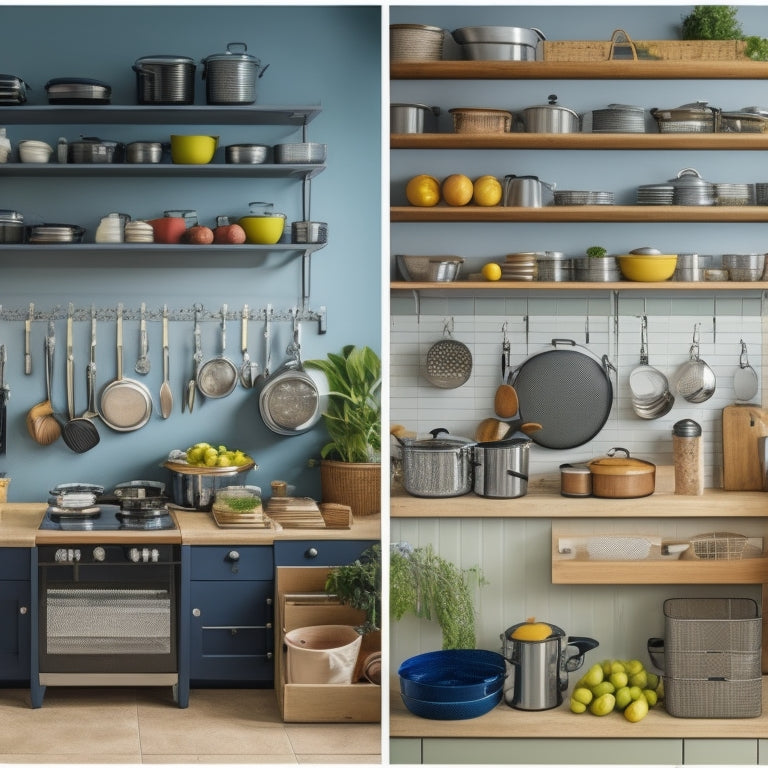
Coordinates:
(492, 271)
(640, 679)
(577, 706)
(650, 697)
(634, 666)
(593, 677)
(423, 190)
(486, 191)
(457, 189)
(532, 629)
(582, 695)
(601, 688)
(637, 710)
(623, 698)
(619, 679)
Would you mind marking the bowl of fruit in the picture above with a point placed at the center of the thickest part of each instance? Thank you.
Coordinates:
(203, 469)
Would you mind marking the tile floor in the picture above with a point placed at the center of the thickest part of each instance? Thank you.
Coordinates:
(143, 725)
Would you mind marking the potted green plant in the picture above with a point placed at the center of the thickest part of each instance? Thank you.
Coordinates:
(711, 22)
(596, 266)
(424, 584)
(350, 466)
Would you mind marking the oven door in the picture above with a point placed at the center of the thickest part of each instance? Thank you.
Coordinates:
(114, 619)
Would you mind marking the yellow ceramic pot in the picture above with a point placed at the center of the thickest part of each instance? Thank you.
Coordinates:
(193, 150)
(263, 226)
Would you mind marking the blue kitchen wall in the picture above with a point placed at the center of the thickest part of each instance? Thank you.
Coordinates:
(327, 56)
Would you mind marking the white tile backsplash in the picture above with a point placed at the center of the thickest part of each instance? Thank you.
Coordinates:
(421, 407)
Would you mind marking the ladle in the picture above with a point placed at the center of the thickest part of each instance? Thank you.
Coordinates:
(41, 423)
(745, 382)
(264, 375)
(142, 364)
(197, 358)
(166, 396)
(249, 368)
(90, 376)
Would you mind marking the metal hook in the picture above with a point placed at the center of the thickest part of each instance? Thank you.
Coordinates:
(743, 359)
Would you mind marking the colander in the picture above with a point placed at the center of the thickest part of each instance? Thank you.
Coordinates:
(448, 363)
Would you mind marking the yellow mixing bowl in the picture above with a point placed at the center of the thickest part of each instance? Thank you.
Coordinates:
(193, 150)
(263, 229)
(647, 268)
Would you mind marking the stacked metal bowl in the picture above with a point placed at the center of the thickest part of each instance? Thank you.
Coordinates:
(744, 267)
(452, 684)
(618, 118)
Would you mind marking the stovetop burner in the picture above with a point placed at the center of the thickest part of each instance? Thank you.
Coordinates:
(110, 517)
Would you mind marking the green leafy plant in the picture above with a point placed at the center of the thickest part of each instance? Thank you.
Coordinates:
(596, 252)
(359, 586)
(712, 22)
(426, 585)
(756, 49)
(353, 414)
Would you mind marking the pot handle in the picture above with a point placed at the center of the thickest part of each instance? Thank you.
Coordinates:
(437, 432)
(612, 452)
(519, 475)
(656, 651)
(541, 35)
(583, 644)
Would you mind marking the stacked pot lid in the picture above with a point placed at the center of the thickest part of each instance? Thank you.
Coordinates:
(618, 118)
(655, 194)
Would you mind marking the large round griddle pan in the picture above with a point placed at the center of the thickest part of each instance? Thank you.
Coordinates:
(125, 404)
(566, 390)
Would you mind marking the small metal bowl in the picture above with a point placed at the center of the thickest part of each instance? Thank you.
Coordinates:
(307, 152)
(309, 232)
(431, 269)
(144, 152)
(246, 153)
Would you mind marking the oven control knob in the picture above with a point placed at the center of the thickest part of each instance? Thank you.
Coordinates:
(99, 554)
(76, 555)
(155, 555)
(60, 556)
(134, 555)
(145, 555)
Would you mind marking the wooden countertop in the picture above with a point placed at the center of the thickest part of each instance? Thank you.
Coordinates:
(20, 522)
(505, 722)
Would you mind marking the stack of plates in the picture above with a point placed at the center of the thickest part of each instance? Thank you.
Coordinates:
(570, 197)
(519, 266)
(703, 195)
(56, 233)
(655, 194)
(618, 118)
(734, 194)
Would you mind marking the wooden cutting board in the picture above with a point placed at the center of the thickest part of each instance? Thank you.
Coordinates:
(742, 426)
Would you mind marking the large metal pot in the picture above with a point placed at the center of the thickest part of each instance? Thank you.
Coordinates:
(541, 667)
(551, 118)
(196, 487)
(437, 467)
(11, 227)
(94, 150)
(527, 191)
(500, 468)
(165, 80)
(231, 76)
(413, 118)
(622, 477)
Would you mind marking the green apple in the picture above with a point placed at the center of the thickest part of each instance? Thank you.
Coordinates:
(603, 705)
(618, 666)
(619, 679)
(637, 710)
(577, 707)
(635, 692)
(640, 679)
(623, 697)
(606, 665)
(593, 676)
(633, 666)
(651, 697)
(653, 681)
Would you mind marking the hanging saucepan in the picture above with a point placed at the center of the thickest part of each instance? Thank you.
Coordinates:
(293, 399)
(217, 377)
(566, 389)
(125, 404)
(695, 380)
(651, 397)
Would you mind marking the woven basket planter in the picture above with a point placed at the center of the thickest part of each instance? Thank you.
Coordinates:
(356, 485)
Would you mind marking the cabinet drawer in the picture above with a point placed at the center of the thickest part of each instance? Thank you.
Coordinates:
(231, 563)
(320, 552)
(15, 563)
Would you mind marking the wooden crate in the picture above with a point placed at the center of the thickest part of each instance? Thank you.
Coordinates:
(301, 703)
(660, 50)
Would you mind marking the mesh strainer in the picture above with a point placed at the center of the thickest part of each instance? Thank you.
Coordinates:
(695, 379)
(719, 545)
(448, 363)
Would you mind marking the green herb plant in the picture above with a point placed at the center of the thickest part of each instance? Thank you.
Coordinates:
(424, 584)
(712, 22)
(757, 48)
(242, 504)
(359, 586)
(596, 252)
(353, 414)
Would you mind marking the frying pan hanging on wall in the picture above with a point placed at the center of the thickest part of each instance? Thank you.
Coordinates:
(567, 389)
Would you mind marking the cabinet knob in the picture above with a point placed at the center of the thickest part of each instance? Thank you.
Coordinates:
(233, 556)
(269, 601)
(311, 553)
(196, 612)
(23, 610)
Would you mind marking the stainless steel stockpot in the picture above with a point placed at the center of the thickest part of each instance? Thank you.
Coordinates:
(551, 118)
(437, 467)
(500, 468)
(413, 118)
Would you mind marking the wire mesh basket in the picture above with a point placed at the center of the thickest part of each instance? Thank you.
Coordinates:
(480, 120)
(727, 624)
(713, 698)
(719, 545)
(415, 42)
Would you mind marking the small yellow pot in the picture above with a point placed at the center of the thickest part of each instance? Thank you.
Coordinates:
(263, 226)
(193, 150)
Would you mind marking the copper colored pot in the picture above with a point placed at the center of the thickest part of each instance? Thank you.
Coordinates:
(622, 477)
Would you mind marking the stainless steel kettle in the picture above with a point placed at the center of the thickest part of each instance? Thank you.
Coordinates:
(527, 191)
(541, 667)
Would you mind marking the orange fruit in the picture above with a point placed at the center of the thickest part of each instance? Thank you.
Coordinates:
(486, 191)
(423, 190)
(457, 189)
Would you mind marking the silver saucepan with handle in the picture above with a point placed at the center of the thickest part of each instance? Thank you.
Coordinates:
(217, 377)
(293, 399)
(125, 404)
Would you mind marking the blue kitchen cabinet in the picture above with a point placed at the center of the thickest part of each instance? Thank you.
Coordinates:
(15, 615)
(231, 596)
(319, 553)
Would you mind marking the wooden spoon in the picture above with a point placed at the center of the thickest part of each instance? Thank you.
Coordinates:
(490, 430)
(505, 403)
(166, 396)
(42, 425)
